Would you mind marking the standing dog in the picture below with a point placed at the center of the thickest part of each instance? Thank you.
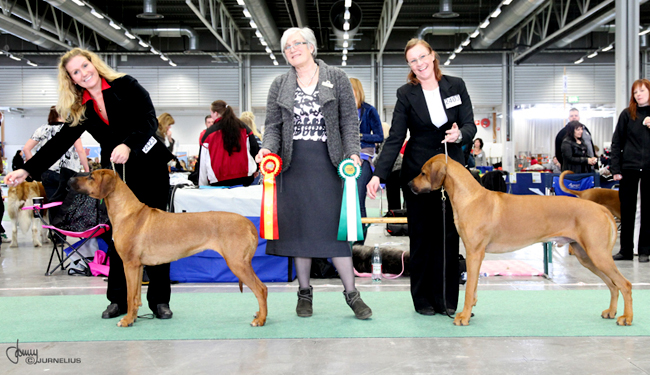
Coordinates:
(489, 221)
(605, 197)
(18, 197)
(149, 236)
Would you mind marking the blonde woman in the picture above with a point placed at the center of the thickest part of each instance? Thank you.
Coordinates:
(164, 132)
(118, 113)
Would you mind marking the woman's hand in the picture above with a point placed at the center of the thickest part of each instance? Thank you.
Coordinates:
(356, 159)
(618, 177)
(120, 154)
(592, 161)
(452, 134)
(260, 155)
(646, 121)
(16, 177)
(372, 187)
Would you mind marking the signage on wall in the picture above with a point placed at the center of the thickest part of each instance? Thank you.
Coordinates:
(485, 122)
(477, 122)
(573, 99)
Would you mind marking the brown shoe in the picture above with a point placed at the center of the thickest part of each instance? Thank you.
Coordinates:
(361, 310)
(305, 298)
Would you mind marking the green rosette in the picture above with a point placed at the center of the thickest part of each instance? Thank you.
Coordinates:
(350, 222)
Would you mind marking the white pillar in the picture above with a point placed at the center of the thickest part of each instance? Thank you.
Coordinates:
(627, 50)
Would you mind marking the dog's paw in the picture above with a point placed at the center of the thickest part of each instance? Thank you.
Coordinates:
(125, 323)
(257, 322)
(624, 320)
(13, 244)
(461, 319)
(608, 314)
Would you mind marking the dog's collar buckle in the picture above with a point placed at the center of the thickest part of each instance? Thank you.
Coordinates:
(442, 190)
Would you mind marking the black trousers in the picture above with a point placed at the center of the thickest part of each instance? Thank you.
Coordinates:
(151, 186)
(627, 193)
(428, 259)
(393, 195)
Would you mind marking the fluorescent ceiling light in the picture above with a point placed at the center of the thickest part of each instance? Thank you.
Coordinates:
(496, 13)
(644, 32)
(591, 56)
(241, 2)
(14, 57)
(344, 63)
(345, 44)
(253, 24)
(507, 2)
(447, 62)
(474, 34)
(275, 62)
(258, 34)
(609, 47)
(346, 26)
(153, 50)
(345, 51)
(579, 61)
(346, 36)
(164, 58)
(453, 56)
(129, 35)
(272, 56)
(346, 15)
(172, 63)
(457, 50)
(484, 24)
(247, 14)
(268, 50)
(31, 63)
(94, 13)
(348, 3)
(344, 57)
(465, 43)
(263, 42)
(79, 2)
(143, 44)
(114, 25)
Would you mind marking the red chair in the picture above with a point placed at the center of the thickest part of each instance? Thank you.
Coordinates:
(62, 235)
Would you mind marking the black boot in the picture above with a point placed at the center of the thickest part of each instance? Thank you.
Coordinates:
(361, 310)
(305, 298)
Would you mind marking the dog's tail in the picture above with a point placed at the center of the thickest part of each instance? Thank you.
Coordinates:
(564, 188)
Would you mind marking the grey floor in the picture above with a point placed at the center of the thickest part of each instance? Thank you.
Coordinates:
(21, 274)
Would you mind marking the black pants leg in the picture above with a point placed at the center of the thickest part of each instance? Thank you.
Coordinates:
(627, 193)
(393, 191)
(428, 258)
(362, 181)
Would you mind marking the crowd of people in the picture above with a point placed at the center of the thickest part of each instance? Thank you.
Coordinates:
(316, 117)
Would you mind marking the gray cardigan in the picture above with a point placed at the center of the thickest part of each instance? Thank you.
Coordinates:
(339, 112)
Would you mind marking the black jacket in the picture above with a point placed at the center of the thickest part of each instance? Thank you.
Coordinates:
(631, 142)
(560, 137)
(132, 121)
(411, 113)
(575, 157)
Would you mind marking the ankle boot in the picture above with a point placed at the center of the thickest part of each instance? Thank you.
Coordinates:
(361, 310)
(305, 297)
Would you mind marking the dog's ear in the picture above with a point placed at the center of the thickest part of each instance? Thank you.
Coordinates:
(106, 181)
(437, 174)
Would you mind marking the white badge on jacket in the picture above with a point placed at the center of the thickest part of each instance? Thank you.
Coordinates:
(452, 101)
(152, 141)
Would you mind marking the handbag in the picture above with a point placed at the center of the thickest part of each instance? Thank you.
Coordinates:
(397, 229)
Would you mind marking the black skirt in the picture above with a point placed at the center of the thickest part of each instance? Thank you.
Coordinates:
(309, 206)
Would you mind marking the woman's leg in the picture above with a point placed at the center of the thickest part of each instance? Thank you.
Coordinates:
(627, 193)
(346, 272)
(303, 271)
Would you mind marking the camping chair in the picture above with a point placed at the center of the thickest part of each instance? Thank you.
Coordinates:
(59, 238)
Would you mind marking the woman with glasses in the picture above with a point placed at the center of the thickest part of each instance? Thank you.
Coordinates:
(435, 108)
(311, 122)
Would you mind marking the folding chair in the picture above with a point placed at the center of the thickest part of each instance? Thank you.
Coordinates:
(61, 234)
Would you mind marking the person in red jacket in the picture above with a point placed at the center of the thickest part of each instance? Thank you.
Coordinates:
(228, 150)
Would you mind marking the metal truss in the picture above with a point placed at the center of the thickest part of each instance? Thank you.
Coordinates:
(388, 17)
(221, 24)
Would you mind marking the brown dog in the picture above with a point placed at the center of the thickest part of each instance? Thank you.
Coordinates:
(489, 221)
(18, 197)
(149, 236)
(606, 197)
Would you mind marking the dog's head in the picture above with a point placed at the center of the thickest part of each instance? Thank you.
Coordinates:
(97, 184)
(431, 177)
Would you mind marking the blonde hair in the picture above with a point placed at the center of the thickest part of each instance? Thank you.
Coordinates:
(165, 120)
(358, 89)
(248, 118)
(70, 95)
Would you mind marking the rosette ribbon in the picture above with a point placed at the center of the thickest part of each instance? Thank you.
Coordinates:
(270, 166)
(350, 222)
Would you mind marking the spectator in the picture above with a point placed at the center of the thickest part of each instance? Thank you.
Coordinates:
(208, 122)
(18, 162)
(228, 150)
(574, 150)
(478, 153)
(164, 132)
(574, 115)
(630, 164)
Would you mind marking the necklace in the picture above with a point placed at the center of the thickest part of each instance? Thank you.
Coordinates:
(311, 79)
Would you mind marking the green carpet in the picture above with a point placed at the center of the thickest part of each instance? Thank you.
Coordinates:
(205, 316)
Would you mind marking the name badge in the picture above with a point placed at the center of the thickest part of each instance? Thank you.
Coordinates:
(152, 141)
(452, 101)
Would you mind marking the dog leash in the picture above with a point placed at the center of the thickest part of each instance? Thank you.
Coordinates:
(123, 171)
(383, 275)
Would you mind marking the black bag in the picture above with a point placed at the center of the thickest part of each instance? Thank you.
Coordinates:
(397, 229)
(80, 212)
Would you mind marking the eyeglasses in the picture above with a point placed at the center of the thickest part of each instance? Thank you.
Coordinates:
(295, 45)
(419, 59)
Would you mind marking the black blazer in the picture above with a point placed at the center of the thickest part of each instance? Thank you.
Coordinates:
(132, 121)
(411, 113)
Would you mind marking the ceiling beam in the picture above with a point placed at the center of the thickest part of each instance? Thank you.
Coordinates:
(386, 22)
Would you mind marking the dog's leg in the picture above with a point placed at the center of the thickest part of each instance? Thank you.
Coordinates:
(584, 259)
(240, 265)
(131, 273)
(14, 233)
(36, 233)
(138, 294)
(474, 260)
